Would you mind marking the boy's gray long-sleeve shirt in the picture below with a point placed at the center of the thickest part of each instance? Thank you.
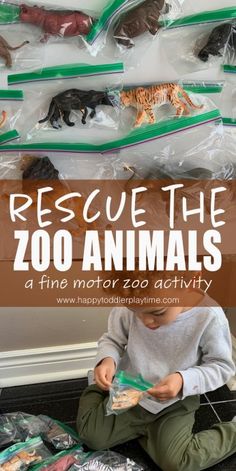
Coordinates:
(197, 344)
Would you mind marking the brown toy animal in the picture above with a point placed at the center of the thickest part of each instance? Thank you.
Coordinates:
(138, 20)
(3, 119)
(56, 22)
(5, 48)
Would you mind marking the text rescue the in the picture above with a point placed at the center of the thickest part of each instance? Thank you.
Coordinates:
(151, 250)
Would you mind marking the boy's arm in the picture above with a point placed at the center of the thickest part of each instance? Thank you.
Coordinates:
(216, 367)
(112, 344)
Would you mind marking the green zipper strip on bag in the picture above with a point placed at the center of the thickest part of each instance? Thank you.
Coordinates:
(204, 17)
(195, 87)
(66, 71)
(135, 382)
(12, 450)
(105, 18)
(229, 69)
(207, 89)
(9, 136)
(17, 95)
(229, 121)
(149, 133)
(9, 13)
(158, 130)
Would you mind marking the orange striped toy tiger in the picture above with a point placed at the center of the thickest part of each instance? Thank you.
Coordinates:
(145, 98)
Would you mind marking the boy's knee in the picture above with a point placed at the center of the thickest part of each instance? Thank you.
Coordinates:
(171, 463)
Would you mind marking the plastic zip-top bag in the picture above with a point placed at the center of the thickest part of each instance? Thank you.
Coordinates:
(64, 102)
(106, 461)
(126, 28)
(150, 103)
(200, 41)
(20, 48)
(64, 460)
(19, 426)
(23, 455)
(126, 392)
(11, 103)
(56, 21)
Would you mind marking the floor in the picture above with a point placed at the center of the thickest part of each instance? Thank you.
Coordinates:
(60, 401)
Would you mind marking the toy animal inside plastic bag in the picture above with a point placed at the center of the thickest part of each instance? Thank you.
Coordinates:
(230, 142)
(126, 28)
(157, 102)
(58, 434)
(23, 455)
(56, 21)
(11, 118)
(107, 461)
(20, 48)
(64, 460)
(125, 392)
(190, 148)
(200, 41)
(66, 109)
(19, 426)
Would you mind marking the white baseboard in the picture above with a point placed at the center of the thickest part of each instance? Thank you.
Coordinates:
(41, 365)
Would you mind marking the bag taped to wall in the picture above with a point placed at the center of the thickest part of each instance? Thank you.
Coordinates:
(11, 103)
(150, 103)
(106, 461)
(63, 103)
(126, 392)
(126, 28)
(19, 426)
(190, 148)
(55, 21)
(200, 41)
(23, 455)
(230, 141)
(174, 147)
(50, 161)
(24, 168)
(20, 48)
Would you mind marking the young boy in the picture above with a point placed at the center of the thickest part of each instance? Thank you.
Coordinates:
(184, 352)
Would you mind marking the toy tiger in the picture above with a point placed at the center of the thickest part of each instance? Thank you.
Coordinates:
(145, 98)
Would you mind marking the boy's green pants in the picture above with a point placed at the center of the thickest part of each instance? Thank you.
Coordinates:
(167, 437)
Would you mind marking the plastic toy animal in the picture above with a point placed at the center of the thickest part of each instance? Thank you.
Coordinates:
(22, 458)
(38, 168)
(74, 99)
(5, 48)
(56, 22)
(4, 119)
(145, 98)
(216, 41)
(41, 168)
(138, 20)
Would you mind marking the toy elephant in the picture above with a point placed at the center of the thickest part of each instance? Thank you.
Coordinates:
(56, 22)
(138, 20)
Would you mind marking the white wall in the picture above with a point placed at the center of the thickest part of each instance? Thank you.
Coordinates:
(26, 328)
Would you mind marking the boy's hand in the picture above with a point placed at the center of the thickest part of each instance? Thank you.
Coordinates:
(104, 373)
(168, 388)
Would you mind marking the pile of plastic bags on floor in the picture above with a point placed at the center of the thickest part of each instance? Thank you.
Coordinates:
(29, 441)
